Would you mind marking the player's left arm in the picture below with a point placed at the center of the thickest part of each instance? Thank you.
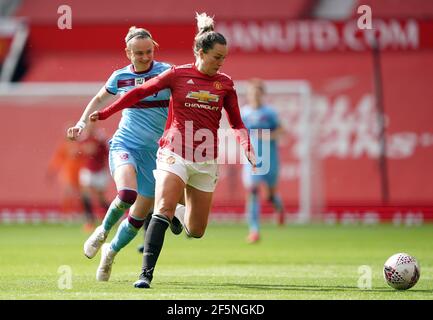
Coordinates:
(279, 129)
(231, 106)
(278, 132)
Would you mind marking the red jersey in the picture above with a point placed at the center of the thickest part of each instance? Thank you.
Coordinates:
(195, 109)
(95, 152)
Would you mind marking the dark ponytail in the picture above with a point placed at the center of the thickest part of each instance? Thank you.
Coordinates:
(206, 37)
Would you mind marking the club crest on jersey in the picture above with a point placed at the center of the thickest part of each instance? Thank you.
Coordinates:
(203, 96)
(124, 156)
(139, 81)
(218, 85)
(170, 160)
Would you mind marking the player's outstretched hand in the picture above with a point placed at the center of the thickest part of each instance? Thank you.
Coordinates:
(94, 116)
(252, 159)
(74, 132)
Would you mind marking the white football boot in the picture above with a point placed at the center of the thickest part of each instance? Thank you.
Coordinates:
(107, 258)
(94, 242)
(178, 221)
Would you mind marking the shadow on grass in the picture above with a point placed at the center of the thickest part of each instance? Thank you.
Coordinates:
(321, 288)
(283, 287)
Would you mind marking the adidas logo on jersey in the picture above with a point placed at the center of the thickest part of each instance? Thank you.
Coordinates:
(190, 81)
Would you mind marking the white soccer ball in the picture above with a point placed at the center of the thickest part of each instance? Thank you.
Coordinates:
(401, 271)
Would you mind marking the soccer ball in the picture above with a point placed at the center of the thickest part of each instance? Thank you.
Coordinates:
(401, 271)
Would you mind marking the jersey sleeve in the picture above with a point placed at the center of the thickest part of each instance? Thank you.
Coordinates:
(231, 106)
(162, 81)
(111, 84)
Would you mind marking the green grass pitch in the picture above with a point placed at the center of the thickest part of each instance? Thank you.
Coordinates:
(291, 262)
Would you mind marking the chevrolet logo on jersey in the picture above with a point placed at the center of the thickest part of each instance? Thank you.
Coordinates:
(203, 96)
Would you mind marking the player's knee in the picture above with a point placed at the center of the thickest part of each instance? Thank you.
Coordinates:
(166, 207)
(194, 233)
(127, 196)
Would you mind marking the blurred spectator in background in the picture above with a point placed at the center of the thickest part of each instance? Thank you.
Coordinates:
(93, 173)
(65, 165)
(257, 115)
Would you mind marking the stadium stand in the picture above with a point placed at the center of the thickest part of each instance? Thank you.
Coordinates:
(400, 9)
(100, 12)
(332, 55)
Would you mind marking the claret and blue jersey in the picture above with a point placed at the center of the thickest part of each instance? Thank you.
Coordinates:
(135, 141)
(140, 127)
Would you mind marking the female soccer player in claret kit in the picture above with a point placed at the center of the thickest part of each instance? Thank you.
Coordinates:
(199, 92)
(133, 148)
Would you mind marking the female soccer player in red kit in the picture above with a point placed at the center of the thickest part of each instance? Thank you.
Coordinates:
(199, 92)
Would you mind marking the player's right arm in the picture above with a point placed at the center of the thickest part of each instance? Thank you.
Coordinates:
(278, 132)
(133, 96)
(95, 104)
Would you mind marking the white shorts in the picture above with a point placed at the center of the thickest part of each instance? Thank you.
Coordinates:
(97, 180)
(200, 175)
